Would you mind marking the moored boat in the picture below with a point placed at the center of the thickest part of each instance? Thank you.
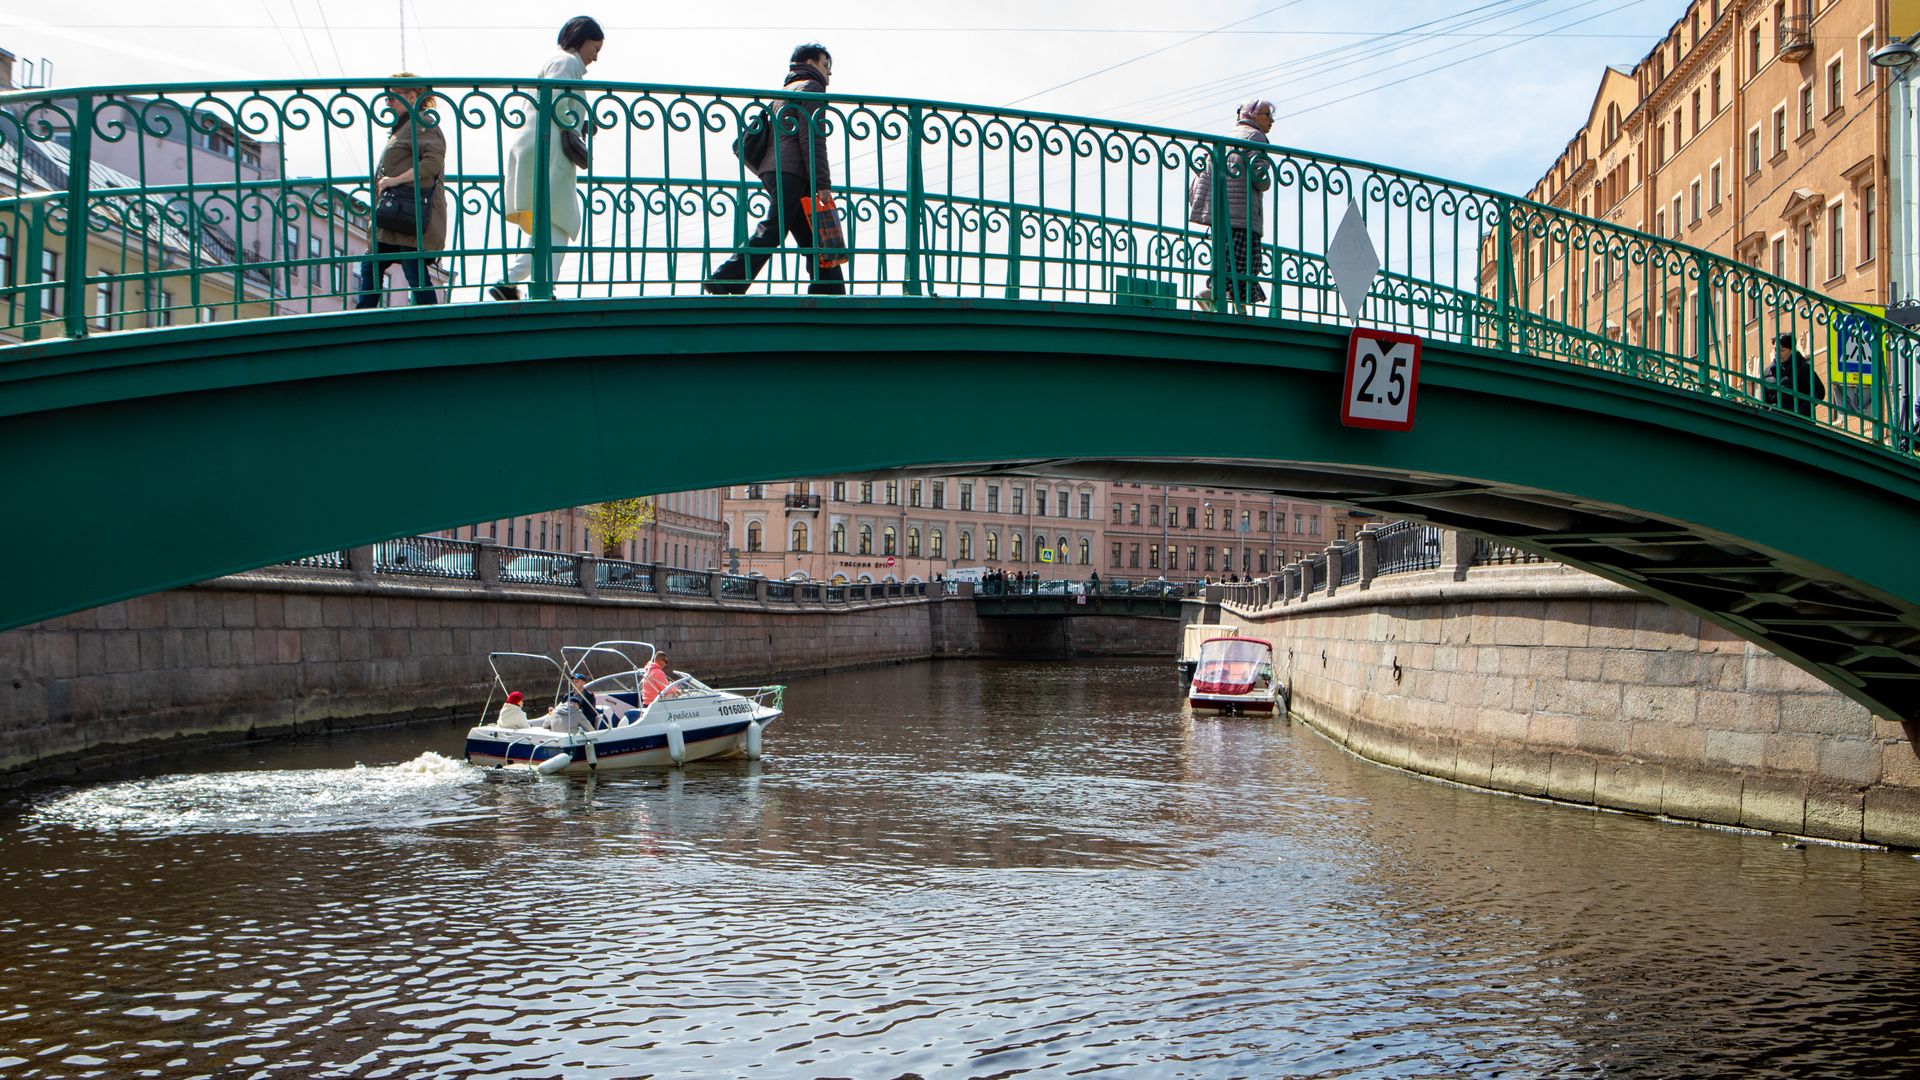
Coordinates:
(625, 728)
(1234, 675)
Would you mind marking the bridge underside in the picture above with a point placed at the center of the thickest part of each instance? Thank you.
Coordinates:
(156, 459)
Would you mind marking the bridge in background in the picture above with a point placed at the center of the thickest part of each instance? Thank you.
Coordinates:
(1016, 281)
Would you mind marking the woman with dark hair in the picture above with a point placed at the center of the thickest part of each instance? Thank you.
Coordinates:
(580, 41)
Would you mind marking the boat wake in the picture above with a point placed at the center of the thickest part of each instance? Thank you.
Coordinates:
(429, 790)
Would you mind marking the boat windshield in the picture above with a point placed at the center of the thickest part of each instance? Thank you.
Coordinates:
(1232, 666)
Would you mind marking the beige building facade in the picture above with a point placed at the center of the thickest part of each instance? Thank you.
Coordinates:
(914, 529)
(1755, 129)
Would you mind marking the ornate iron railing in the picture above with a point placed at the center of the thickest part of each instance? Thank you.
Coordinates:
(1403, 546)
(940, 199)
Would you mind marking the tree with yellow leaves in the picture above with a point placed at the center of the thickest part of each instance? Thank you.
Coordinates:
(618, 521)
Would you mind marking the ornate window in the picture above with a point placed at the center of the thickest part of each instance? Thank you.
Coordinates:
(1019, 540)
(866, 539)
(839, 538)
(966, 546)
(890, 541)
(913, 542)
(799, 536)
(1086, 552)
(753, 536)
(937, 542)
(993, 546)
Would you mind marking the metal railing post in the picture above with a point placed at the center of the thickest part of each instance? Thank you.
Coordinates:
(79, 186)
(1703, 329)
(540, 285)
(1222, 229)
(916, 200)
(30, 274)
(1503, 277)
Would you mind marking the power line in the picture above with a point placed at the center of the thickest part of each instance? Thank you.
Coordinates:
(1456, 63)
(331, 44)
(305, 38)
(425, 45)
(1155, 52)
(267, 6)
(1325, 59)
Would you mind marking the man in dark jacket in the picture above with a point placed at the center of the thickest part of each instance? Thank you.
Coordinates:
(795, 167)
(1791, 376)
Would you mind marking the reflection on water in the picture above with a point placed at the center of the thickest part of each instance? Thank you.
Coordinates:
(956, 869)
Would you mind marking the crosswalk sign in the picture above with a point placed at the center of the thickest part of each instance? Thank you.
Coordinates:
(1853, 347)
(1046, 554)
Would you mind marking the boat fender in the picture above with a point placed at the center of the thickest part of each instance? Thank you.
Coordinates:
(753, 740)
(593, 758)
(555, 763)
(676, 743)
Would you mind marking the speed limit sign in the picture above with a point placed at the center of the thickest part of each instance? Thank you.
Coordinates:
(1383, 379)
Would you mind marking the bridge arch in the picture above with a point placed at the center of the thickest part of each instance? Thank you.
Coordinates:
(237, 445)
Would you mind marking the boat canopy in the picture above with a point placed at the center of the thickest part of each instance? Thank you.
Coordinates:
(1232, 665)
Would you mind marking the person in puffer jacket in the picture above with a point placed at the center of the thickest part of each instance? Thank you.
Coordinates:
(1248, 176)
(795, 167)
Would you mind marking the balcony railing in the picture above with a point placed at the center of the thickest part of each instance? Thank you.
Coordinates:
(1795, 39)
(803, 502)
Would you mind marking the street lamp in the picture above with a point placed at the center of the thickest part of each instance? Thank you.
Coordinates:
(1895, 56)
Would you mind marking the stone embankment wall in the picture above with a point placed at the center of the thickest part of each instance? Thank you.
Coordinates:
(1550, 682)
(284, 652)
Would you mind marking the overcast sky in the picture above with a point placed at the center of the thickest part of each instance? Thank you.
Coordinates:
(1486, 91)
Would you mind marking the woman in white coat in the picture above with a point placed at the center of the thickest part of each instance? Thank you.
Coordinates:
(580, 41)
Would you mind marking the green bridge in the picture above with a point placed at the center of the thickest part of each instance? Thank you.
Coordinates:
(186, 399)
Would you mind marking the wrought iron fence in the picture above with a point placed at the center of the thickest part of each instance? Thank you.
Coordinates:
(1349, 561)
(780, 591)
(940, 199)
(529, 566)
(425, 556)
(621, 576)
(1494, 553)
(325, 560)
(737, 588)
(1404, 546)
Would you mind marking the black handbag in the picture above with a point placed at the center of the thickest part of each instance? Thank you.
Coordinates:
(576, 149)
(398, 208)
(751, 145)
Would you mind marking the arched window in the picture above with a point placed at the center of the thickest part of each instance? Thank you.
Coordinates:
(799, 536)
(1086, 552)
(839, 538)
(753, 536)
(966, 546)
(938, 545)
(892, 542)
(866, 539)
(913, 542)
(1018, 541)
(993, 546)
(1060, 550)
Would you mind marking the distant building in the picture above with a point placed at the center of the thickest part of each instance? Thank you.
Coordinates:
(1755, 129)
(686, 532)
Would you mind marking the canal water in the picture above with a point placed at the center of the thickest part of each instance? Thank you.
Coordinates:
(948, 869)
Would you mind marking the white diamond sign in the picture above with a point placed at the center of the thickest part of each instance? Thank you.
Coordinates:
(1353, 261)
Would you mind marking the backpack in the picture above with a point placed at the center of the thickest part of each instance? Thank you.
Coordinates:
(754, 140)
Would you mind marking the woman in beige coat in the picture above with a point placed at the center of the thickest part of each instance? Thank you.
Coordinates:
(416, 154)
(580, 41)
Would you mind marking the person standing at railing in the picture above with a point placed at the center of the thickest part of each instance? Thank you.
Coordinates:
(1246, 179)
(413, 162)
(794, 168)
(580, 41)
(1791, 375)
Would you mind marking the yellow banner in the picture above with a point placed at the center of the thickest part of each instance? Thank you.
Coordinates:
(1854, 346)
(1903, 18)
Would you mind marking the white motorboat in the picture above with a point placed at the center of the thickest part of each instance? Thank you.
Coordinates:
(687, 721)
(1235, 675)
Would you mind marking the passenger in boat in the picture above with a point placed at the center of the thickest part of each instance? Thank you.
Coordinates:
(657, 680)
(582, 697)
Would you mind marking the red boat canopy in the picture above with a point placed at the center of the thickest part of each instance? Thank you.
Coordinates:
(1231, 665)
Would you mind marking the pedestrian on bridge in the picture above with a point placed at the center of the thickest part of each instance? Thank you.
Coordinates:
(1239, 190)
(1791, 376)
(580, 40)
(410, 167)
(796, 173)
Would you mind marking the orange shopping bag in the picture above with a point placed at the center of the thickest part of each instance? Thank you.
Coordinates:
(829, 235)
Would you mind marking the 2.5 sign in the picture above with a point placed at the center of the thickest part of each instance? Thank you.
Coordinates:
(1383, 378)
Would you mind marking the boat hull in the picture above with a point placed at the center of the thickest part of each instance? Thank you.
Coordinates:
(630, 746)
(1232, 703)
